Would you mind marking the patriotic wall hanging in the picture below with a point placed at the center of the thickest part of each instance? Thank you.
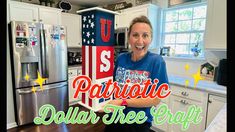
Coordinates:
(97, 50)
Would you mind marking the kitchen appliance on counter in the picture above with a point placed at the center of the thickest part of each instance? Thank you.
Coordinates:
(74, 58)
(221, 73)
(39, 68)
(121, 38)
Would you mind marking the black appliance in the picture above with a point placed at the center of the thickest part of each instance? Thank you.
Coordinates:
(221, 73)
(74, 58)
(121, 38)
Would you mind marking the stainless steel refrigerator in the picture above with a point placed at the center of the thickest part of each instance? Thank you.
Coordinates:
(38, 51)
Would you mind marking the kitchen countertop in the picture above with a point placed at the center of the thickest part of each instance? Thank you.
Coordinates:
(203, 85)
(74, 66)
(219, 123)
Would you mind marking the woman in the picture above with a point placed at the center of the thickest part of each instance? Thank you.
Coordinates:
(138, 66)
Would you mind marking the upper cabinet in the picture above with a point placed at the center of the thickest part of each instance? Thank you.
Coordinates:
(73, 25)
(216, 28)
(20, 11)
(151, 11)
(124, 18)
(50, 16)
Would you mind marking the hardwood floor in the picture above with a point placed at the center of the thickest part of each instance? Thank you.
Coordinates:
(53, 127)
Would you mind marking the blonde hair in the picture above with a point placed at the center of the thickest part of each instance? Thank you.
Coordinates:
(140, 19)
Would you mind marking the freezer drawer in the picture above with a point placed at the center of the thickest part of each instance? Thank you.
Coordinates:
(28, 103)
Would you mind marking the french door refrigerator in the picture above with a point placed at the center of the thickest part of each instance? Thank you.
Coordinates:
(39, 68)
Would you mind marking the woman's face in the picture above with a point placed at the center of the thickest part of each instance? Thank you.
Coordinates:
(139, 39)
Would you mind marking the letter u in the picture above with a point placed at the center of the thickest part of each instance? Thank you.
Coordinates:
(103, 22)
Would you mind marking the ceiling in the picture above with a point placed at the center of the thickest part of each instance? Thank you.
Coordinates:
(91, 3)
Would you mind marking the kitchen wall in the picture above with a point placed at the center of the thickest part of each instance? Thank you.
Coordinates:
(175, 66)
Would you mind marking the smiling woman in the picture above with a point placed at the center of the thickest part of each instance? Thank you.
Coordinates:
(138, 66)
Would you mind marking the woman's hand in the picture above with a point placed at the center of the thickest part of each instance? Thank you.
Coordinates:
(112, 102)
(115, 102)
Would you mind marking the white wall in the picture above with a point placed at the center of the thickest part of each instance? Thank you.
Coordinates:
(74, 9)
(176, 66)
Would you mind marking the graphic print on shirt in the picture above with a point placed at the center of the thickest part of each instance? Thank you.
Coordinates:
(136, 76)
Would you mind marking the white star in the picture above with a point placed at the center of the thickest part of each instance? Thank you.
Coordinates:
(84, 18)
(83, 25)
(92, 24)
(92, 16)
(89, 21)
(88, 34)
(92, 40)
(83, 32)
(88, 42)
(87, 26)
(84, 40)
(92, 33)
(88, 16)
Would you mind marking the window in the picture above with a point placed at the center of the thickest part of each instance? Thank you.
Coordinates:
(183, 30)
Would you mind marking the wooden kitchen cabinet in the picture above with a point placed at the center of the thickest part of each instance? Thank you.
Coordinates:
(124, 19)
(216, 25)
(20, 11)
(151, 11)
(164, 126)
(50, 16)
(215, 104)
(180, 100)
(72, 74)
(73, 25)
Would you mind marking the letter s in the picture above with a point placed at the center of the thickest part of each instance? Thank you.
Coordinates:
(105, 65)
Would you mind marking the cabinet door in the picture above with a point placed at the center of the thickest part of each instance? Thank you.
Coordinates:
(182, 104)
(215, 103)
(72, 73)
(164, 126)
(121, 20)
(124, 19)
(73, 25)
(136, 13)
(151, 11)
(23, 12)
(216, 28)
(50, 16)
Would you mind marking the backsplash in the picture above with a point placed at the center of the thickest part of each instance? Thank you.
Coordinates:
(177, 66)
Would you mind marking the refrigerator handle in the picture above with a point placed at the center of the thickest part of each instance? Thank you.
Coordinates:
(43, 54)
(45, 88)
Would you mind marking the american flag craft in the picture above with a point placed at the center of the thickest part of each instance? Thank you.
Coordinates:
(97, 51)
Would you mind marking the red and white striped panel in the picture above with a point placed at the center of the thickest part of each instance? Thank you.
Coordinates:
(98, 64)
